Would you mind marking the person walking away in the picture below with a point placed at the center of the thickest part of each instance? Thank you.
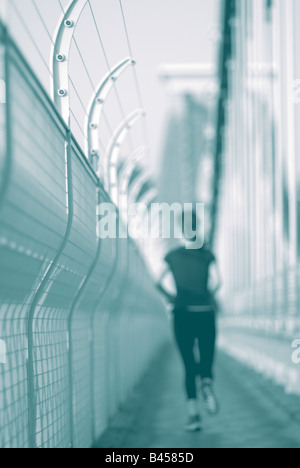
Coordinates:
(197, 280)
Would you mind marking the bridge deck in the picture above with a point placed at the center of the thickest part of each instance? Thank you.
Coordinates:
(255, 413)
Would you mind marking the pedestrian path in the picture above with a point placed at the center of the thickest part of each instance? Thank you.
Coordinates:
(255, 413)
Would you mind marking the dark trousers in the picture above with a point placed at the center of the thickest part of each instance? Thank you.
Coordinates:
(189, 327)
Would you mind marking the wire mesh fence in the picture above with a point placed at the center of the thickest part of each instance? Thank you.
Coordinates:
(78, 315)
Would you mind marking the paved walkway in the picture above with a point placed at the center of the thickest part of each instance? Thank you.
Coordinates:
(255, 413)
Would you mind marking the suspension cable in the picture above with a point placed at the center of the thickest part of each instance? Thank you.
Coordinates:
(108, 64)
(78, 124)
(42, 20)
(18, 13)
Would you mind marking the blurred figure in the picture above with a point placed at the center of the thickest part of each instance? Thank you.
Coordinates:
(197, 280)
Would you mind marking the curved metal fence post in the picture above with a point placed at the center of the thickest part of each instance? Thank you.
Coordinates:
(129, 166)
(149, 197)
(41, 289)
(145, 199)
(125, 177)
(103, 195)
(142, 179)
(60, 54)
(113, 152)
(75, 302)
(60, 81)
(93, 118)
(59, 63)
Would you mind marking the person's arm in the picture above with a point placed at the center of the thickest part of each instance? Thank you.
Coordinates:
(167, 274)
(215, 280)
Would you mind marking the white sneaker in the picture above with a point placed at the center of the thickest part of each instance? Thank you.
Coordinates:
(194, 424)
(209, 396)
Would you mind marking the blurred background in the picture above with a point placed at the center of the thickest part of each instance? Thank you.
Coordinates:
(81, 322)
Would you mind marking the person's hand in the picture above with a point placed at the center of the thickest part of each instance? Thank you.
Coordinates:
(171, 299)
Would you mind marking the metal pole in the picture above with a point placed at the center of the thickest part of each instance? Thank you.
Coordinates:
(149, 197)
(137, 186)
(125, 177)
(129, 167)
(95, 108)
(60, 54)
(113, 153)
